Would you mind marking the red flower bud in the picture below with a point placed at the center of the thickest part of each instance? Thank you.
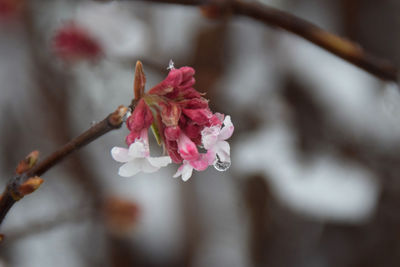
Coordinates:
(141, 117)
(199, 116)
(170, 113)
(172, 133)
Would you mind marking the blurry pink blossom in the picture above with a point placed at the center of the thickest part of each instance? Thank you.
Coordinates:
(73, 43)
(10, 8)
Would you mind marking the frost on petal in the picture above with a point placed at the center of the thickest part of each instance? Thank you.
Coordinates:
(211, 155)
(129, 169)
(209, 136)
(159, 161)
(227, 130)
(185, 170)
(120, 154)
(201, 163)
(223, 151)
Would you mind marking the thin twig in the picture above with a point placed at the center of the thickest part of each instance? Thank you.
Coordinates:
(11, 194)
(345, 49)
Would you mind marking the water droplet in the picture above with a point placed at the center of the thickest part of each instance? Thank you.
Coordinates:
(220, 165)
(93, 123)
(170, 65)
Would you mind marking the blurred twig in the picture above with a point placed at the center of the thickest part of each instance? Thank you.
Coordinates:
(345, 49)
(44, 225)
(12, 194)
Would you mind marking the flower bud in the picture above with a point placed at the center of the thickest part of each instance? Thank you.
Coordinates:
(199, 116)
(172, 133)
(27, 163)
(30, 185)
(170, 113)
(140, 81)
(141, 117)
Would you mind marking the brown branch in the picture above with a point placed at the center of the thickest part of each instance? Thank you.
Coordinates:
(345, 49)
(12, 193)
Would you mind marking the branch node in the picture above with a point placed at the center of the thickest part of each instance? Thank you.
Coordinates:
(117, 117)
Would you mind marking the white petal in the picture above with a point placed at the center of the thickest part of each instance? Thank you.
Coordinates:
(130, 168)
(138, 149)
(187, 174)
(178, 172)
(159, 161)
(227, 130)
(147, 167)
(223, 151)
(185, 170)
(120, 154)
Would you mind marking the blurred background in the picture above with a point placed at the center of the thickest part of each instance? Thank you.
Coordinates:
(315, 175)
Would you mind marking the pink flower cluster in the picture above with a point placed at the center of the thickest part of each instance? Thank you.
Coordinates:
(182, 122)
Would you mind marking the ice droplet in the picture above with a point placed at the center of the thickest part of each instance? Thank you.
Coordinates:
(220, 165)
(127, 115)
(171, 65)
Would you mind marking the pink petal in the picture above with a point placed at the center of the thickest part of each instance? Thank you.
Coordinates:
(201, 163)
(186, 148)
(131, 137)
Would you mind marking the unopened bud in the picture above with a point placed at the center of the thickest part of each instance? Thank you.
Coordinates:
(30, 185)
(27, 163)
(140, 81)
